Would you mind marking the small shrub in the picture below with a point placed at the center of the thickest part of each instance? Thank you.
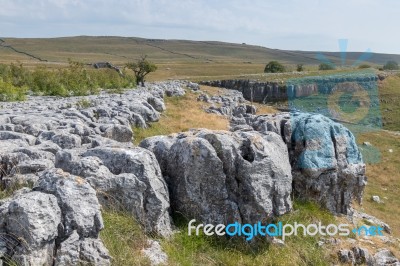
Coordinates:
(364, 66)
(274, 67)
(75, 80)
(391, 65)
(11, 93)
(326, 66)
(141, 68)
(300, 68)
(83, 103)
(48, 82)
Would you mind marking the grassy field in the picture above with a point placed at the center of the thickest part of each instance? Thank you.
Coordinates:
(176, 58)
(389, 93)
(384, 178)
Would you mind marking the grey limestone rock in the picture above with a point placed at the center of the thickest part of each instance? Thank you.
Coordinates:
(77, 200)
(127, 178)
(221, 177)
(327, 165)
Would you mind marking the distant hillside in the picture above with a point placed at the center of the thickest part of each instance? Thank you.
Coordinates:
(121, 49)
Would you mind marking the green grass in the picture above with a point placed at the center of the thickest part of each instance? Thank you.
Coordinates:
(389, 93)
(196, 60)
(182, 113)
(123, 238)
(74, 80)
(183, 249)
(11, 93)
(383, 178)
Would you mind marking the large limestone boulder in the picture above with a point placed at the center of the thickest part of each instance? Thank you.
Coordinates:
(125, 178)
(58, 222)
(29, 224)
(221, 177)
(77, 199)
(326, 164)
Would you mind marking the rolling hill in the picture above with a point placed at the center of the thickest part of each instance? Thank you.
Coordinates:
(121, 49)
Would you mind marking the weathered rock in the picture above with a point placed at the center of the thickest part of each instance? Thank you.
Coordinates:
(221, 177)
(77, 200)
(127, 178)
(326, 164)
(385, 257)
(66, 141)
(74, 251)
(359, 217)
(376, 199)
(29, 223)
(7, 135)
(44, 131)
(155, 254)
(264, 92)
(346, 256)
(362, 256)
(157, 103)
(118, 133)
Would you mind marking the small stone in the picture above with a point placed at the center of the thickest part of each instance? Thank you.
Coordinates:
(376, 199)
(278, 242)
(366, 143)
(154, 253)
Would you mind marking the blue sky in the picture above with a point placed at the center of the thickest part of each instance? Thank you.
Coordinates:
(290, 24)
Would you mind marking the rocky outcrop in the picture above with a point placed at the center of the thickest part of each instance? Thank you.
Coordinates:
(76, 153)
(264, 92)
(230, 104)
(261, 92)
(361, 256)
(37, 226)
(123, 176)
(222, 177)
(127, 179)
(326, 163)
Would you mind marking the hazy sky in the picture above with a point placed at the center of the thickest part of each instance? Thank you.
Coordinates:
(288, 24)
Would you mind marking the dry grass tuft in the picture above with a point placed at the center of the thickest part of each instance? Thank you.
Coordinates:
(182, 114)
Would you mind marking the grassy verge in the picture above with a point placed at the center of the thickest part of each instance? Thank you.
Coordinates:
(74, 80)
(182, 114)
(183, 249)
(384, 178)
(389, 93)
(123, 238)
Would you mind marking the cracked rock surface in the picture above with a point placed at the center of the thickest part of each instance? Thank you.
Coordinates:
(77, 153)
(222, 177)
(327, 165)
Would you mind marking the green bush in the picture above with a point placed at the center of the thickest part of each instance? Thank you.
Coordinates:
(17, 75)
(326, 66)
(110, 79)
(141, 68)
(391, 65)
(300, 68)
(10, 93)
(48, 82)
(75, 80)
(274, 67)
(364, 66)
